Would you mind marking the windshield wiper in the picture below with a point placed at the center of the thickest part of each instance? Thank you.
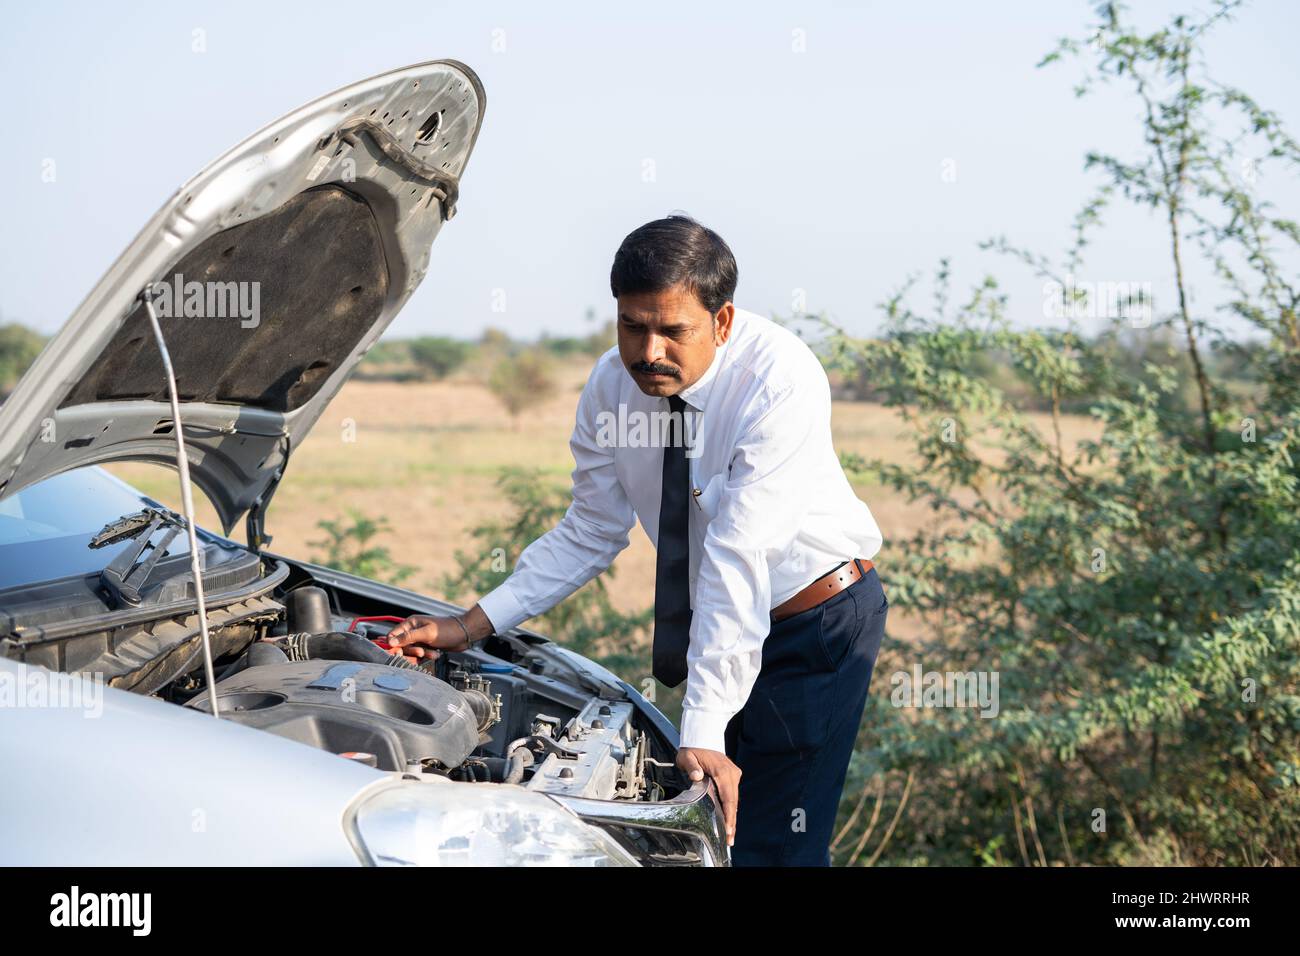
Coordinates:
(126, 575)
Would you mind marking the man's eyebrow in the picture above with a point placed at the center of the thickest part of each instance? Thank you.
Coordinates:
(669, 327)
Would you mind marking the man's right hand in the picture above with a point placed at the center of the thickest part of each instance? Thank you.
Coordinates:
(421, 637)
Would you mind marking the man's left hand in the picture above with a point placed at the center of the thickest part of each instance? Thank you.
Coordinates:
(726, 776)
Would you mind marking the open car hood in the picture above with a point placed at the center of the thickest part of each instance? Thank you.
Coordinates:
(275, 269)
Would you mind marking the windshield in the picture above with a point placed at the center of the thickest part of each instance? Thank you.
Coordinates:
(45, 530)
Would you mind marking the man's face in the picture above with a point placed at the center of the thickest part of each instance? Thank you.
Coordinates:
(667, 339)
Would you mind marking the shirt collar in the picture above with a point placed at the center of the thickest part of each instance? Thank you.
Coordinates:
(697, 394)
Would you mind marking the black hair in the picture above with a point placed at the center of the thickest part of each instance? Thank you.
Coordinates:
(675, 250)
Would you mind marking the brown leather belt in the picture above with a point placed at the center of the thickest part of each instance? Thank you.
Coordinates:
(823, 589)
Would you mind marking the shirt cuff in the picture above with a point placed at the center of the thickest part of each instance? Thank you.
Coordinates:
(502, 608)
(704, 729)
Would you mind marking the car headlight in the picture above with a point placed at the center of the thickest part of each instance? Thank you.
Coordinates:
(453, 824)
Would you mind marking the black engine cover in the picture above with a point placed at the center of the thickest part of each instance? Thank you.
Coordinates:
(342, 706)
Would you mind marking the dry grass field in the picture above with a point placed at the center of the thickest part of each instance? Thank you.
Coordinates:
(426, 456)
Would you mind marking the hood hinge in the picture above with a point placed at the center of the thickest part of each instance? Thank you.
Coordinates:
(254, 522)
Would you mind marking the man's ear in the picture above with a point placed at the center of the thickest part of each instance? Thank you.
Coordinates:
(722, 323)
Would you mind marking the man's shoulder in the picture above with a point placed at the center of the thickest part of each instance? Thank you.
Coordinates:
(773, 356)
(607, 377)
(608, 367)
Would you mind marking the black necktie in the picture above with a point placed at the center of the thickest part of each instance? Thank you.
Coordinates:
(672, 567)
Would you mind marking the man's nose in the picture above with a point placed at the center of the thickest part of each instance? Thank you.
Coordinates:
(653, 350)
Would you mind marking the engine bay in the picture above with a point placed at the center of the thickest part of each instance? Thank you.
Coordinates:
(487, 715)
(299, 651)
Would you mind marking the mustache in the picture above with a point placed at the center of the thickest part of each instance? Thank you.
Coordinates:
(654, 369)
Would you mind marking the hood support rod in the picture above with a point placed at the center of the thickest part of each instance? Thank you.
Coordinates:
(187, 497)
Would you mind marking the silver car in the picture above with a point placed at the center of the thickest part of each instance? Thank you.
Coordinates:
(269, 275)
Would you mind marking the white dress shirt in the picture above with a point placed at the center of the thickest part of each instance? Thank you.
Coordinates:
(775, 510)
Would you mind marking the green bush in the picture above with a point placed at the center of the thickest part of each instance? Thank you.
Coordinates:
(438, 355)
(521, 381)
(1138, 596)
(19, 347)
(348, 547)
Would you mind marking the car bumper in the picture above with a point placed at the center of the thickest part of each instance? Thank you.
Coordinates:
(687, 830)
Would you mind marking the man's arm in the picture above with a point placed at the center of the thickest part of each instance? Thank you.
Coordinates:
(591, 534)
(762, 506)
(593, 531)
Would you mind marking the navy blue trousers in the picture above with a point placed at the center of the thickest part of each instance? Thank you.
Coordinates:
(793, 739)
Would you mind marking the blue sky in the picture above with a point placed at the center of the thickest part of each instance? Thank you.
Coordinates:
(823, 168)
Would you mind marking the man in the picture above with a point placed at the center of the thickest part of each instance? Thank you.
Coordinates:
(765, 602)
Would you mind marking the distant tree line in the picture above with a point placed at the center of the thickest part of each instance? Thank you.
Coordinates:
(1129, 350)
(496, 356)
(436, 357)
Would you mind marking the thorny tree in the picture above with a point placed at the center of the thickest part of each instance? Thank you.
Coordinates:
(1138, 594)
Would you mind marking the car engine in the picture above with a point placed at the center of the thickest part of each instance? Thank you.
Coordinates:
(469, 716)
